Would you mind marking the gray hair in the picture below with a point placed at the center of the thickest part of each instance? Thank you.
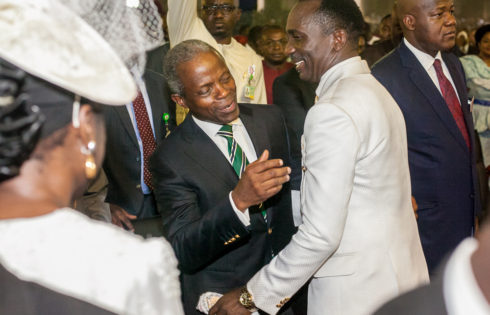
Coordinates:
(183, 52)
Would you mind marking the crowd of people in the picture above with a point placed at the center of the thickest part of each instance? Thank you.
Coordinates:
(152, 162)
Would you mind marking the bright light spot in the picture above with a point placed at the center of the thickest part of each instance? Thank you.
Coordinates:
(132, 3)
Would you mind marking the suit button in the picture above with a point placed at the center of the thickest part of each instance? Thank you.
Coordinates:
(269, 231)
(472, 196)
(138, 186)
(138, 159)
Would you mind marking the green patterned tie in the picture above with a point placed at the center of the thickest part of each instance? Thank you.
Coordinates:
(235, 152)
(237, 156)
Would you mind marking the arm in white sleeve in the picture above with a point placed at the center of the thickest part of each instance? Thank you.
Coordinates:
(331, 147)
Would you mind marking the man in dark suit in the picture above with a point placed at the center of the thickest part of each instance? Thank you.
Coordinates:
(223, 221)
(30, 298)
(294, 97)
(428, 85)
(128, 196)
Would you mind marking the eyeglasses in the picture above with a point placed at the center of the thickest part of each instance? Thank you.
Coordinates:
(213, 9)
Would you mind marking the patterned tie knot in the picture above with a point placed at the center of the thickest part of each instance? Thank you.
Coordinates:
(437, 65)
(226, 131)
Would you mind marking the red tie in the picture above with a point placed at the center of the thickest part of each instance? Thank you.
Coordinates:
(146, 135)
(452, 101)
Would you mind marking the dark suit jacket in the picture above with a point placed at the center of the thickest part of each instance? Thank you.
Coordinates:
(28, 298)
(192, 180)
(376, 51)
(122, 159)
(442, 169)
(294, 97)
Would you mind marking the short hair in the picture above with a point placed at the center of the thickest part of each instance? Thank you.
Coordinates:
(268, 27)
(387, 16)
(183, 52)
(480, 32)
(340, 14)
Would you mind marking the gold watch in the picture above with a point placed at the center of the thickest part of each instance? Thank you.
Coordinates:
(246, 299)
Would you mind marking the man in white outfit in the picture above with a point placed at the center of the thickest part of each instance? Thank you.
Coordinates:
(359, 239)
(215, 27)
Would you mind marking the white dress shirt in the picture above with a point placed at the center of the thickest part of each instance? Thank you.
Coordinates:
(462, 294)
(243, 139)
(427, 62)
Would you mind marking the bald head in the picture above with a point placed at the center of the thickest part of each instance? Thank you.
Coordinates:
(429, 25)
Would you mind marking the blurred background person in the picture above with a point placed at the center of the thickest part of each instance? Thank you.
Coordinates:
(254, 35)
(380, 48)
(383, 31)
(462, 42)
(477, 71)
(272, 46)
(215, 27)
(52, 143)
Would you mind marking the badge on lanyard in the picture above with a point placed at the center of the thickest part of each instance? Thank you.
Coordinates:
(249, 88)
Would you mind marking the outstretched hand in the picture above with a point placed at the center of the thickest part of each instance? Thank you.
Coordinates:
(261, 180)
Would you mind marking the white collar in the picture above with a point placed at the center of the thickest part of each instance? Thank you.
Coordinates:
(462, 295)
(211, 128)
(425, 59)
(348, 67)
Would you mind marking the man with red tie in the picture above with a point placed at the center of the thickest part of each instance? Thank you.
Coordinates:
(428, 84)
(133, 132)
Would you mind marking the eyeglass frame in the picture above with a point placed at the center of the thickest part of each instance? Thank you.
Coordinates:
(221, 7)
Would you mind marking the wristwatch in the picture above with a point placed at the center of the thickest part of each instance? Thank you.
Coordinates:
(246, 299)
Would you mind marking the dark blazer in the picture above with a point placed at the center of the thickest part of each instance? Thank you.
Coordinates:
(122, 163)
(442, 169)
(193, 180)
(21, 297)
(294, 97)
(376, 51)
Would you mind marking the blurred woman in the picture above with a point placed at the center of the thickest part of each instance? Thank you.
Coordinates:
(477, 70)
(55, 71)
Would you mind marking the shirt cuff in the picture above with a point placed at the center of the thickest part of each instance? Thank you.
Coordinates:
(296, 205)
(244, 217)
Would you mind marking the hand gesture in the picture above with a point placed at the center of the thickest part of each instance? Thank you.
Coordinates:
(261, 180)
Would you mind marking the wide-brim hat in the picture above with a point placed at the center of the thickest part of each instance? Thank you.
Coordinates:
(49, 41)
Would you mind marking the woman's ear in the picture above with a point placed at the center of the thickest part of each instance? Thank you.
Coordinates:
(88, 123)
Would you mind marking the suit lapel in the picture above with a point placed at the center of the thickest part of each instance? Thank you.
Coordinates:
(426, 86)
(204, 152)
(156, 108)
(258, 134)
(123, 115)
(260, 139)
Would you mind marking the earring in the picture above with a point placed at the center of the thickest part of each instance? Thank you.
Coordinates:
(90, 166)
